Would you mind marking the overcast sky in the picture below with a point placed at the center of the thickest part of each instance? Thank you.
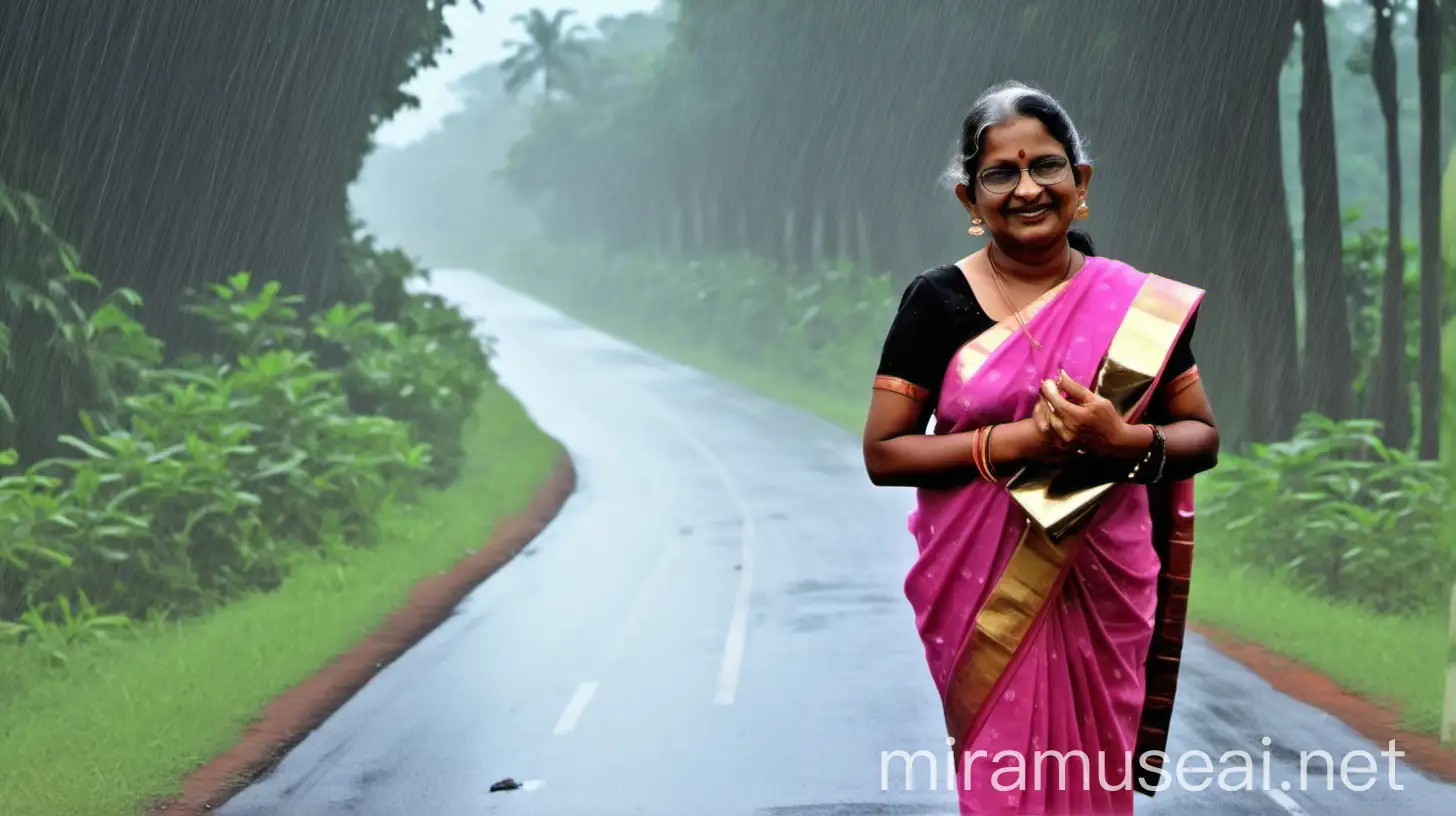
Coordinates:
(478, 40)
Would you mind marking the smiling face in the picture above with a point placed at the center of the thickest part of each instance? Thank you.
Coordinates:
(1025, 188)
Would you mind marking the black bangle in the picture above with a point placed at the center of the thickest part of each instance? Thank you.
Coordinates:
(1160, 442)
(1149, 467)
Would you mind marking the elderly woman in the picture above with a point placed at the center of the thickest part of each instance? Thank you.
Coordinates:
(1054, 503)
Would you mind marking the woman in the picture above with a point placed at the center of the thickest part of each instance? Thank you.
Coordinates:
(1054, 511)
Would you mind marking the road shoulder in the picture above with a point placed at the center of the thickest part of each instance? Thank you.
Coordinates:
(295, 713)
(1371, 719)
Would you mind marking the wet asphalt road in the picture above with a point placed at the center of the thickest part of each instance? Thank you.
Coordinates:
(715, 625)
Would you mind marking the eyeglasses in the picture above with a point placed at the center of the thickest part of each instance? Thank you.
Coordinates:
(1046, 172)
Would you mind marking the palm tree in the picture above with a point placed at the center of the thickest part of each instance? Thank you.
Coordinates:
(1389, 388)
(1428, 37)
(549, 52)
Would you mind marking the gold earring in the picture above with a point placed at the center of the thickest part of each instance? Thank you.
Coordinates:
(976, 229)
(1082, 211)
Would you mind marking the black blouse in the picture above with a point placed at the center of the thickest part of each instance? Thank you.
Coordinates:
(939, 313)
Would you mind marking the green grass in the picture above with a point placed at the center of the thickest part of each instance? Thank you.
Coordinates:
(1383, 658)
(125, 722)
(1390, 661)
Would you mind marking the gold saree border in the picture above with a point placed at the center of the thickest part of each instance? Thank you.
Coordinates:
(1032, 577)
(974, 353)
(1040, 563)
(1180, 383)
(896, 385)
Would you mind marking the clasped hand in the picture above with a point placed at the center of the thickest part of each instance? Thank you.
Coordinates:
(1082, 421)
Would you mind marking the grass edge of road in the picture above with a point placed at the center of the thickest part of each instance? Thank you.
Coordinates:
(1400, 663)
(124, 722)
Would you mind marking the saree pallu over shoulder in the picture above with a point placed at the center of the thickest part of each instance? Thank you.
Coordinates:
(1055, 506)
(1056, 497)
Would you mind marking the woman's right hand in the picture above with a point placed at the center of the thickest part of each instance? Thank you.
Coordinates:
(1051, 448)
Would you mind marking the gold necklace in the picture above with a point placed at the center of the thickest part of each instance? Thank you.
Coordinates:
(996, 274)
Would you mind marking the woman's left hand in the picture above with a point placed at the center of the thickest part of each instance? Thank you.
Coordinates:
(1088, 421)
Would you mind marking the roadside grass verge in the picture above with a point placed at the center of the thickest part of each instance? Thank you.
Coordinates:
(1387, 660)
(124, 721)
(1384, 659)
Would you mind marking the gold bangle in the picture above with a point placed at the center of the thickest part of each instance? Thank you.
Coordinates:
(976, 450)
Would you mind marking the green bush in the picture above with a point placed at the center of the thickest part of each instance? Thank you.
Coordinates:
(428, 369)
(57, 355)
(1338, 513)
(199, 482)
(219, 476)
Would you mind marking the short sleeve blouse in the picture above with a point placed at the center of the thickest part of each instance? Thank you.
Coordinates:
(938, 314)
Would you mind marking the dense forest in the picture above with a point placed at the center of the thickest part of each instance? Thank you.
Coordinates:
(806, 136)
(207, 368)
(211, 144)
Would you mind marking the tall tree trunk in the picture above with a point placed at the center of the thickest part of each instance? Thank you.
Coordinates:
(1241, 252)
(715, 225)
(1328, 370)
(817, 239)
(787, 255)
(699, 218)
(1388, 397)
(1265, 246)
(843, 230)
(1428, 37)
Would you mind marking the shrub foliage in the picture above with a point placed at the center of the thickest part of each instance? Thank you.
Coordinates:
(193, 479)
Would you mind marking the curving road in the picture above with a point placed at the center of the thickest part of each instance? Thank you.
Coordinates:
(714, 624)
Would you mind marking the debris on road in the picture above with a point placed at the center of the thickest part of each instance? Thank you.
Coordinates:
(504, 785)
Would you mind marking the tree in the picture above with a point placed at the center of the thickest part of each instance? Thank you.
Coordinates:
(1329, 363)
(221, 138)
(1429, 37)
(1388, 394)
(549, 52)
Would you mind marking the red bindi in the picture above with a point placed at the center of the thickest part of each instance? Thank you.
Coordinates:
(1021, 154)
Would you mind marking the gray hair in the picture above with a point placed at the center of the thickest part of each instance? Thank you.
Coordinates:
(1002, 103)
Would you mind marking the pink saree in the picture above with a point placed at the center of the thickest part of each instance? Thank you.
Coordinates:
(1055, 646)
